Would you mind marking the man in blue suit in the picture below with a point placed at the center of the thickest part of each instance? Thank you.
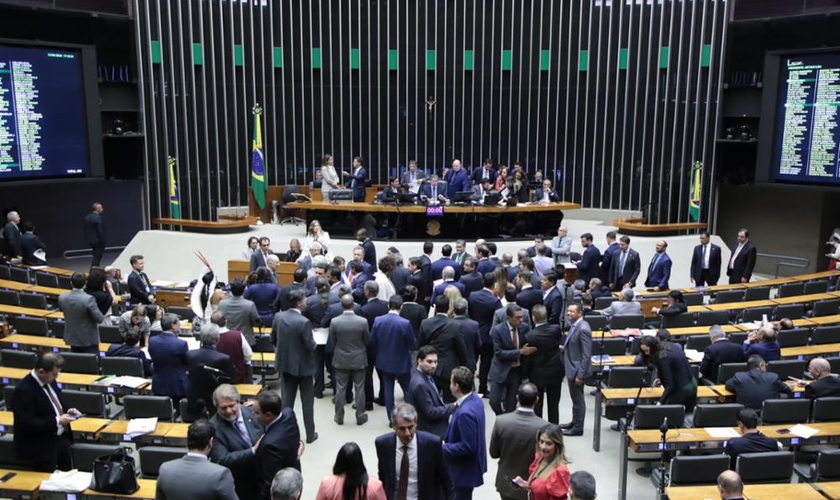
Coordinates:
(445, 260)
(357, 177)
(552, 298)
(469, 332)
(169, 358)
(509, 347)
(606, 259)
(659, 271)
(433, 413)
(588, 265)
(482, 307)
(471, 278)
(456, 179)
(448, 275)
(465, 449)
(429, 478)
(391, 341)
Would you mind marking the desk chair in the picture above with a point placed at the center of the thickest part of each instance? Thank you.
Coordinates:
(19, 274)
(148, 407)
(81, 362)
(93, 404)
(785, 411)
(622, 321)
(12, 358)
(652, 417)
(825, 308)
(695, 470)
(46, 279)
(64, 282)
(5, 273)
(765, 467)
(726, 296)
(288, 192)
(698, 342)
(757, 293)
(8, 457)
(110, 334)
(791, 289)
(717, 415)
(728, 370)
(786, 368)
(9, 297)
(57, 328)
(33, 301)
(693, 299)
(122, 365)
(680, 320)
(596, 322)
(84, 454)
(756, 314)
(187, 415)
(825, 468)
(819, 286)
(794, 311)
(8, 391)
(834, 362)
(794, 338)
(825, 335)
(152, 457)
(602, 303)
(182, 312)
(737, 337)
(826, 409)
(615, 346)
(709, 318)
(32, 326)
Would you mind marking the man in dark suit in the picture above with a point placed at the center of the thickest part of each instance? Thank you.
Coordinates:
(751, 440)
(81, 317)
(279, 446)
(369, 248)
(169, 358)
(373, 308)
(659, 271)
(413, 177)
(545, 194)
(460, 252)
(433, 413)
(443, 261)
(705, 262)
(676, 305)
(485, 172)
(606, 258)
(482, 306)
(509, 347)
(350, 335)
(552, 298)
(720, 351)
(42, 434)
(29, 244)
(95, 233)
(11, 236)
(528, 296)
(546, 370)
(448, 275)
(420, 457)
(752, 387)
(825, 383)
(469, 332)
(139, 285)
(742, 261)
(418, 281)
(260, 257)
(241, 314)
(624, 266)
(291, 332)
(445, 336)
(588, 265)
(282, 303)
(456, 178)
(465, 448)
(237, 433)
(359, 256)
(482, 189)
(763, 343)
(512, 442)
(359, 278)
(434, 192)
(391, 341)
(471, 278)
(485, 264)
(207, 369)
(358, 176)
(577, 360)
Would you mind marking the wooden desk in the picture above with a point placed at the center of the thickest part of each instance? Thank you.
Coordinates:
(57, 271)
(169, 298)
(811, 350)
(696, 309)
(115, 433)
(248, 390)
(803, 299)
(830, 489)
(701, 330)
(238, 268)
(210, 227)
(36, 342)
(799, 491)
(146, 491)
(177, 435)
(7, 422)
(25, 484)
(421, 209)
(87, 428)
(14, 285)
(714, 289)
(26, 311)
(825, 320)
(47, 290)
(736, 306)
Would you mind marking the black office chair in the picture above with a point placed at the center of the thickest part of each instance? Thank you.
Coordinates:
(825, 335)
(757, 293)
(152, 457)
(794, 338)
(602, 303)
(110, 334)
(32, 326)
(698, 342)
(613, 346)
(9, 297)
(793, 311)
(785, 411)
(765, 467)
(121, 366)
(181, 312)
(64, 282)
(81, 362)
(737, 337)
(626, 376)
(820, 286)
(8, 392)
(652, 416)
(12, 358)
(756, 314)
(84, 454)
(622, 321)
(33, 301)
(596, 322)
(148, 407)
(19, 274)
(289, 191)
(726, 296)
(693, 299)
(826, 409)
(5, 274)
(834, 362)
(727, 370)
(188, 413)
(689, 470)
(57, 328)
(46, 279)
(93, 404)
(825, 308)
(825, 468)
(791, 289)
(680, 320)
(786, 368)
(717, 415)
(709, 318)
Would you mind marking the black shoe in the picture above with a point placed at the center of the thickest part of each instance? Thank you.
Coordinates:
(338, 420)
(572, 432)
(379, 401)
(567, 425)
(311, 439)
(614, 427)
(368, 406)
(319, 395)
(362, 420)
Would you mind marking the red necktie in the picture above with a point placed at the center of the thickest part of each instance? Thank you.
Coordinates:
(53, 399)
(515, 337)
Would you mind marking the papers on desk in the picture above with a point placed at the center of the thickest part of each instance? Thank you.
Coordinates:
(752, 325)
(722, 432)
(632, 332)
(140, 426)
(693, 355)
(604, 358)
(71, 481)
(803, 431)
(123, 381)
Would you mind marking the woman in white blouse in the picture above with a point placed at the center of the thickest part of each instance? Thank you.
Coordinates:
(330, 176)
(316, 233)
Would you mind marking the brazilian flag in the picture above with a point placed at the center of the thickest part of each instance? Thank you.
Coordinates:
(695, 191)
(174, 196)
(257, 160)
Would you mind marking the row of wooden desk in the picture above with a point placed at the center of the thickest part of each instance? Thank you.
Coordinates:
(775, 282)
(789, 491)
(26, 485)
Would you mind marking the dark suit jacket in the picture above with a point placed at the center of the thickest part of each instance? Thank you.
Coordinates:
(34, 419)
(426, 190)
(482, 306)
(538, 194)
(722, 351)
(281, 302)
(94, 229)
(423, 287)
(257, 260)
(826, 386)
(439, 289)
(632, 266)
(472, 283)
(438, 265)
(546, 365)
(131, 351)
(169, 357)
(373, 309)
(399, 278)
(28, 244)
(391, 341)
(370, 254)
(356, 181)
(480, 173)
(456, 182)
(449, 344)
(359, 287)
(415, 314)
(769, 351)
(744, 263)
(139, 292)
(433, 479)
(277, 450)
(295, 346)
(589, 264)
(753, 387)
(432, 412)
(472, 340)
(366, 268)
(752, 442)
(714, 262)
(504, 352)
(203, 382)
(231, 451)
(529, 297)
(485, 266)
(466, 445)
(606, 260)
(659, 273)
(554, 306)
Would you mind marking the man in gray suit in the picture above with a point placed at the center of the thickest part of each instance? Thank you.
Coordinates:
(413, 177)
(512, 442)
(350, 336)
(577, 358)
(81, 317)
(237, 432)
(509, 349)
(241, 313)
(291, 332)
(561, 246)
(194, 476)
(624, 305)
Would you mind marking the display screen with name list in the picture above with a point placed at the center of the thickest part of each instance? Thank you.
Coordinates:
(43, 128)
(807, 145)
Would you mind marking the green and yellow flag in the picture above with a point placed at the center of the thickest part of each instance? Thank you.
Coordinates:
(174, 196)
(257, 160)
(695, 192)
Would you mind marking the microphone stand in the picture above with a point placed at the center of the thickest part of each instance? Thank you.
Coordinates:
(663, 453)
(631, 413)
(599, 375)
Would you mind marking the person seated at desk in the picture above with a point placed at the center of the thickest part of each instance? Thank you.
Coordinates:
(545, 195)
(597, 289)
(624, 305)
(317, 181)
(676, 305)
(752, 387)
(480, 191)
(129, 349)
(434, 191)
(29, 244)
(751, 440)
(763, 342)
(825, 383)
(517, 187)
(720, 351)
(389, 194)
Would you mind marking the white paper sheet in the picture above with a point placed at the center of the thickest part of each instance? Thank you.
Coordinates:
(803, 431)
(140, 426)
(722, 432)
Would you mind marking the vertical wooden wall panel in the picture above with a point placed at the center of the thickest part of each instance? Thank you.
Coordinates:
(612, 99)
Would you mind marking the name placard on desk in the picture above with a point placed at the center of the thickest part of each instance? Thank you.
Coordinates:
(434, 211)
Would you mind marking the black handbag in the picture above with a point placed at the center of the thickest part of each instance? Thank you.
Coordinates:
(115, 473)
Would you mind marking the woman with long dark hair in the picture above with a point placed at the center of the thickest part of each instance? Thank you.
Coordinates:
(262, 292)
(675, 373)
(350, 480)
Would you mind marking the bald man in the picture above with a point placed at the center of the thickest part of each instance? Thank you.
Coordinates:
(825, 383)
(730, 486)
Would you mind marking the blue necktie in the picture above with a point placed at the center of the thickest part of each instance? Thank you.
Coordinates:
(243, 432)
(571, 329)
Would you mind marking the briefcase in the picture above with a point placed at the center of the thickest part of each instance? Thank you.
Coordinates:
(115, 473)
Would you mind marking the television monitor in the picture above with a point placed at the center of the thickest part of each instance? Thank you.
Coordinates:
(406, 198)
(48, 110)
(462, 197)
(492, 199)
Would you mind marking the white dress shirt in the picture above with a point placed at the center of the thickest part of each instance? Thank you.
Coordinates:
(413, 491)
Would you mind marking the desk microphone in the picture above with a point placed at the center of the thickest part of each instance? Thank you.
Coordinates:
(211, 369)
(664, 427)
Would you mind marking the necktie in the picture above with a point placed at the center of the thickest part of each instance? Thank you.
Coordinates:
(434, 386)
(413, 177)
(514, 335)
(705, 260)
(569, 335)
(54, 399)
(734, 254)
(434, 192)
(621, 264)
(545, 196)
(243, 432)
(402, 487)
(653, 263)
